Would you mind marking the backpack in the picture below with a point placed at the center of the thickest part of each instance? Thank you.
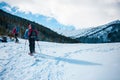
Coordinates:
(26, 34)
(17, 29)
(32, 33)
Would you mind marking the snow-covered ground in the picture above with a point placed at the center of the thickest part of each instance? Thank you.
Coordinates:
(54, 61)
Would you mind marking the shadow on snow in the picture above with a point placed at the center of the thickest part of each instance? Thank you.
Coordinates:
(71, 61)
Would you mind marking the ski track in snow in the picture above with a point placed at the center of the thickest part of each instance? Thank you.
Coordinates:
(47, 64)
(46, 67)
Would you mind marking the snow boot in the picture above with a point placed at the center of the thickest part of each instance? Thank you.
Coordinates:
(31, 54)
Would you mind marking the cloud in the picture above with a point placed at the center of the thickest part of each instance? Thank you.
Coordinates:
(7, 8)
(79, 13)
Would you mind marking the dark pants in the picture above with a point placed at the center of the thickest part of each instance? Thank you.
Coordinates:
(16, 39)
(32, 45)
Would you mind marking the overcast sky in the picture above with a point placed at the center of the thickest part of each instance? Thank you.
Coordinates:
(79, 13)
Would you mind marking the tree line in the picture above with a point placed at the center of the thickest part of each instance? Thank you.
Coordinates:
(8, 21)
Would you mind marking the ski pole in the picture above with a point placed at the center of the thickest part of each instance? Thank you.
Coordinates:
(38, 46)
(25, 46)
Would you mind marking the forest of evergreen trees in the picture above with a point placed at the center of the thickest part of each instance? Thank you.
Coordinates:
(8, 21)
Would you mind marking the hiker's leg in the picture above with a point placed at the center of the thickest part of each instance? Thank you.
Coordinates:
(30, 45)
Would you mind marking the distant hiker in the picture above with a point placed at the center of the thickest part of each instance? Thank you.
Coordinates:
(31, 34)
(16, 31)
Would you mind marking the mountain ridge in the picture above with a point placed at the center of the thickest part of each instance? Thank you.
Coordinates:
(8, 21)
(99, 34)
(106, 33)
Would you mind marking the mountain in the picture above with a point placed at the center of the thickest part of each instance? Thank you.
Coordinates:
(48, 22)
(57, 61)
(8, 21)
(101, 34)
(75, 33)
